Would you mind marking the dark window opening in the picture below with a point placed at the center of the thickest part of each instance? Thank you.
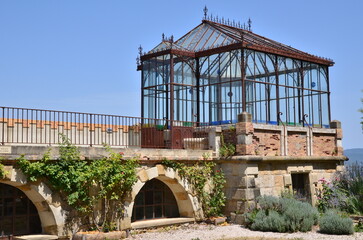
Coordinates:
(18, 215)
(301, 186)
(155, 200)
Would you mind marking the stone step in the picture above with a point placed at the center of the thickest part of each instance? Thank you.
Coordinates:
(36, 237)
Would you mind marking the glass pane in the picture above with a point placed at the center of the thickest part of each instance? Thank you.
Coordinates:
(7, 225)
(149, 214)
(158, 211)
(21, 205)
(8, 206)
(140, 198)
(158, 197)
(139, 213)
(34, 224)
(20, 225)
(149, 195)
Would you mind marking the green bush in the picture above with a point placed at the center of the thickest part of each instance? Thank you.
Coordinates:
(333, 223)
(281, 215)
(272, 222)
(344, 191)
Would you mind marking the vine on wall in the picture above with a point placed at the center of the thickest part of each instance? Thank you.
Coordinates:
(84, 184)
(206, 184)
(2, 171)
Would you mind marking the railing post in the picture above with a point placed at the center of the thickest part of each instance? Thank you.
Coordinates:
(3, 127)
(90, 131)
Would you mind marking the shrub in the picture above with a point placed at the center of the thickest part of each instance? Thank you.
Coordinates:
(200, 175)
(272, 222)
(281, 215)
(84, 184)
(344, 192)
(352, 182)
(333, 223)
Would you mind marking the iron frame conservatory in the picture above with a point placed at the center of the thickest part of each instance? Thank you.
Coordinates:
(218, 70)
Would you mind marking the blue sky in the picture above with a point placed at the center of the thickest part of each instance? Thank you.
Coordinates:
(79, 55)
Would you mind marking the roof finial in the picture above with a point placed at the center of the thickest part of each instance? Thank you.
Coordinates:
(138, 61)
(249, 24)
(163, 37)
(205, 10)
(172, 38)
(140, 50)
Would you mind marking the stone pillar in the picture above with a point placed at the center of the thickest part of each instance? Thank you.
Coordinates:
(246, 192)
(335, 124)
(214, 139)
(244, 132)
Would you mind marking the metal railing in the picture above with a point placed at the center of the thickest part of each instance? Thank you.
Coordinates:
(37, 126)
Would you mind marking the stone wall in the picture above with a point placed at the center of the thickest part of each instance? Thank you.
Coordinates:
(280, 140)
(297, 144)
(248, 178)
(267, 143)
(324, 145)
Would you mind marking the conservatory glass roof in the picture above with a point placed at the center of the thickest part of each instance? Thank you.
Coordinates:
(211, 35)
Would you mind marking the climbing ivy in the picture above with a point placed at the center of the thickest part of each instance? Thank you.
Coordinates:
(226, 150)
(84, 184)
(2, 171)
(200, 176)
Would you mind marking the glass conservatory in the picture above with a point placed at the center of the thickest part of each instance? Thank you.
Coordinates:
(220, 69)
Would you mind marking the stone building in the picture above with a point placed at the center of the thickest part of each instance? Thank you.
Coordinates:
(219, 84)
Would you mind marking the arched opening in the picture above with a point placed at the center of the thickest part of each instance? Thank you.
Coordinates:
(154, 200)
(18, 215)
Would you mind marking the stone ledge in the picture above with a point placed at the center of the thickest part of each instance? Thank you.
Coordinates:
(160, 222)
(36, 237)
(250, 158)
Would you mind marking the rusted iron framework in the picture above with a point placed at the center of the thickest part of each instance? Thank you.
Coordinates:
(220, 69)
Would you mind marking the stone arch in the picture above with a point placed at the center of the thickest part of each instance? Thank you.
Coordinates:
(51, 214)
(188, 204)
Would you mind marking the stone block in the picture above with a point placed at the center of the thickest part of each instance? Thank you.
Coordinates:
(142, 175)
(267, 191)
(266, 181)
(244, 206)
(246, 194)
(247, 182)
(125, 223)
(169, 173)
(292, 169)
(41, 206)
(257, 182)
(18, 177)
(279, 181)
(308, 168)
(136, 188)
(287, 180)
(339, 133)
(152, 172)
(335, 124)
(161, 169)
(252, 169)
(238, 169)
(313, 178)
(244, 149)
(244, 139)
(8, 172)
(245, 117)
(340, 168)
(244, 128)
(238, 218)
(181, 196)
